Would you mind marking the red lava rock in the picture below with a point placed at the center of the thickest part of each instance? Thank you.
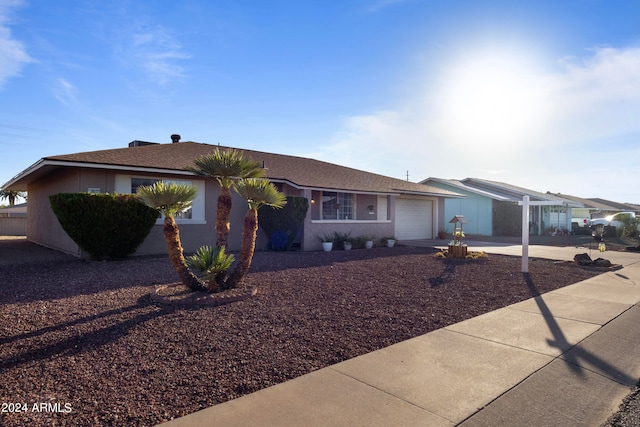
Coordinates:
(89, 334)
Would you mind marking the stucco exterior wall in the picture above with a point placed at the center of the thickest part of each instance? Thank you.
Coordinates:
(43, 227)
(42, 224)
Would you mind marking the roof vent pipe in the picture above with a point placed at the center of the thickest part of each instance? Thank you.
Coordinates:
(175, 138)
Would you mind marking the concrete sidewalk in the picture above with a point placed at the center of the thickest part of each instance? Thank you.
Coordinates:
(566, 358)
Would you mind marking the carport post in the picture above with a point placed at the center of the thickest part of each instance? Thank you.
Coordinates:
(525, 234)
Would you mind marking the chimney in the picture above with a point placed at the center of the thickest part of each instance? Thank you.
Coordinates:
(175, 138)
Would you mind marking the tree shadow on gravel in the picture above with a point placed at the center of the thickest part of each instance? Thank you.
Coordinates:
(78, 343)
(54, 280)
(573, 353)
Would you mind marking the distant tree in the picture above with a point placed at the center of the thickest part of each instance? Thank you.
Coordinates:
(257, 193)
(12, 195)
(170, 199)
(226, 167)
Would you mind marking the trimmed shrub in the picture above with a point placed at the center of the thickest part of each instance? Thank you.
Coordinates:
(106, 226)
(282, 226)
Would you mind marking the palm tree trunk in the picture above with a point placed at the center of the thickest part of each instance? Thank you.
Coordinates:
(176, 255)
(249, 233)
(222, 216)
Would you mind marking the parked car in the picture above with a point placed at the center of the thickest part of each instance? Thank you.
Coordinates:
(580, 222)
(615, 220)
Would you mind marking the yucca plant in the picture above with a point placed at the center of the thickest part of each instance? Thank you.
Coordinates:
(226, 167)
(214, 262)
(257, 193)
(170, 199)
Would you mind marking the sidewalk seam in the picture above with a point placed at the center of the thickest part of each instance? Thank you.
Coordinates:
(388, 394)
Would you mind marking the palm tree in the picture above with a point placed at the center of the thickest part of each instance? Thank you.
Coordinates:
(226, 167)
(258, 193)
(12, 195)
(170, 199)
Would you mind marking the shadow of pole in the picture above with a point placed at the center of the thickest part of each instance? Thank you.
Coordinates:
(447, 273)
(86, 319)
(572, 354)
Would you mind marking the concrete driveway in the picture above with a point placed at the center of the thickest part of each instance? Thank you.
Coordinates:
(560, 253)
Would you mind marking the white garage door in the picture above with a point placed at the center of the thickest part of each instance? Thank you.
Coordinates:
(414, 219)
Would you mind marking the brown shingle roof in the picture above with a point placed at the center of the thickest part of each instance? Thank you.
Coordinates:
(300, 171)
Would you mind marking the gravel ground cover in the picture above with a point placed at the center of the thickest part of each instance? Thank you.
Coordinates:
(628, 414)
(82, 342)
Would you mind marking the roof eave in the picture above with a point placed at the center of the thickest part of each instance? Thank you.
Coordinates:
(429, 193)
(20, 181)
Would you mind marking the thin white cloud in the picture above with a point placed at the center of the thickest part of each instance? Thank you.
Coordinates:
(156, 52)
(599, 97)
(505, 125)
(66, 93)
(13, 54)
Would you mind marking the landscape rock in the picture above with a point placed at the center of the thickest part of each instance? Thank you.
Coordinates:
(585, 260)
(601, 262)
(582, 259)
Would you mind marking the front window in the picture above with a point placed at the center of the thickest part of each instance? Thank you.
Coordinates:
(139, 182)
(337, 205)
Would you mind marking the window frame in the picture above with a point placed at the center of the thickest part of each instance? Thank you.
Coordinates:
(124, 184)
(343, 203)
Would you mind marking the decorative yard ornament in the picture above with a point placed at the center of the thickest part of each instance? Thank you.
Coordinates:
(456, 247)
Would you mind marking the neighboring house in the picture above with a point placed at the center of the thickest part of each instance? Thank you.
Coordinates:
(609, 207)
(341, 199)
(491, 209)
(13, 220)
(597, 208)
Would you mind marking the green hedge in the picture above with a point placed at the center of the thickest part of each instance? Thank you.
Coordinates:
(106, 226)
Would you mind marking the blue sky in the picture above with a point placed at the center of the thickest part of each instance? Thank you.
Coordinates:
(541, 94)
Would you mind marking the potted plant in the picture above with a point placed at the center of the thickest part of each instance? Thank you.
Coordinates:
(347, 245)
(368, 241)
(442, 234)
(342, 239)
(389, 241)
(327, 242)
